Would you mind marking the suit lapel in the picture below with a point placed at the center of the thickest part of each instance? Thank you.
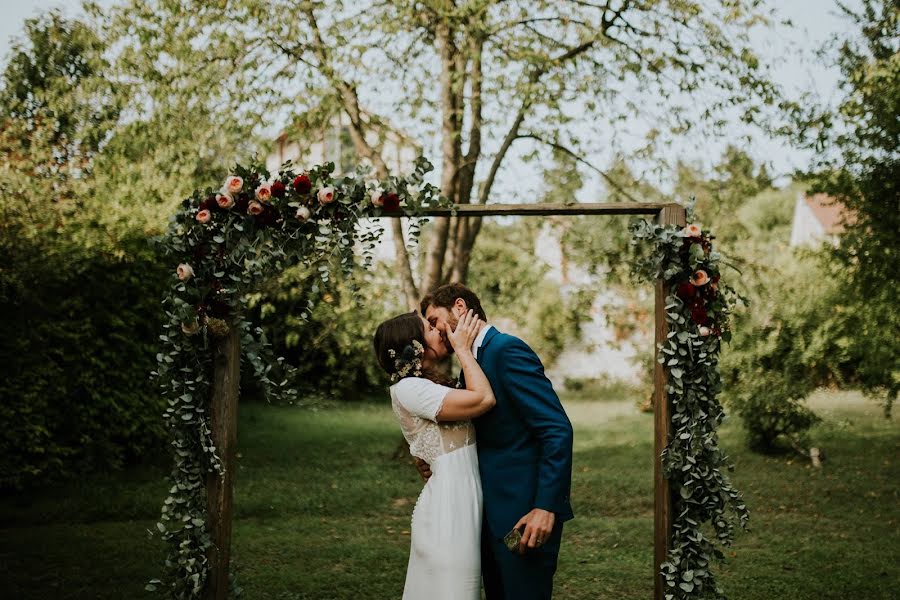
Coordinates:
(490, 335)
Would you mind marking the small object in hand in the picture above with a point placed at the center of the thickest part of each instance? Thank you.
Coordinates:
(512, 539)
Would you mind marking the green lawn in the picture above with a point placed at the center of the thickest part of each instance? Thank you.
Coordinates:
(323, 512)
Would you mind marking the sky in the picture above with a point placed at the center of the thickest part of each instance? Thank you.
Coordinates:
(791, 50)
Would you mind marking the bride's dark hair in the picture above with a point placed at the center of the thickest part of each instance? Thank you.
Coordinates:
(394, 335)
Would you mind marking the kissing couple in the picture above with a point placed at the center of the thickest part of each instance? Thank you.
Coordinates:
(490, 511)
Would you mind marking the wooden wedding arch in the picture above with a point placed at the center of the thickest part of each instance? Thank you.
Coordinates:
(226, 379)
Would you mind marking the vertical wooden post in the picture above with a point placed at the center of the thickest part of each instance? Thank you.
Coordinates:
(220, 490)
(662, 419)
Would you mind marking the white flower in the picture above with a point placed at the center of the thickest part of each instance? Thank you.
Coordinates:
(326, 195)
(184, 271)
(704, 331)
(377, 197)
(303, 214)
(233, 184)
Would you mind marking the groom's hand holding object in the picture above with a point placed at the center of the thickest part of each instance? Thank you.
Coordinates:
(538, 525)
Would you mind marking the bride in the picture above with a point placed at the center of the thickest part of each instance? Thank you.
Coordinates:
(445, 549)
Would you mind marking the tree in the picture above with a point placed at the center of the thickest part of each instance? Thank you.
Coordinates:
(478, 76)
(864, 175)
(56, 112)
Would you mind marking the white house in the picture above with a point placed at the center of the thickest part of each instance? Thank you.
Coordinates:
(818, 218)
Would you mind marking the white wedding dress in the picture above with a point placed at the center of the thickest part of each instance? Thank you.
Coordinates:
(445, 550)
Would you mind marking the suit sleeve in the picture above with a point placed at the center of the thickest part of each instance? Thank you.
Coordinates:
(523, 377)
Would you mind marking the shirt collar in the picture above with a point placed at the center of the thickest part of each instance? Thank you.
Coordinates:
(479, 340)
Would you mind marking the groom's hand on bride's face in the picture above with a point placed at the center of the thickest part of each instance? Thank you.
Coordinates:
(424, 469)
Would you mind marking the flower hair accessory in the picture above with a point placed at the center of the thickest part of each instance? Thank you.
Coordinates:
(409, 363)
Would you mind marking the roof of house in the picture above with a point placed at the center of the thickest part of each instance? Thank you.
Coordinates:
(832, 214)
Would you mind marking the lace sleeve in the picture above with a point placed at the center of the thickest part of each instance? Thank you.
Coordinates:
(421, 397)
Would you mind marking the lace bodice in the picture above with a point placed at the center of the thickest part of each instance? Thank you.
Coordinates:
(416, 401)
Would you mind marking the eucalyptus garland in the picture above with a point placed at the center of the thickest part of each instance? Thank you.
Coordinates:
(698, 308)
(225, 243)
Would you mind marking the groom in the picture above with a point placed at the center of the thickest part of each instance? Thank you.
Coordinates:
(524, 455)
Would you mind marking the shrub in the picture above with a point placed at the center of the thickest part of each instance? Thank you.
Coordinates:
(78, 345)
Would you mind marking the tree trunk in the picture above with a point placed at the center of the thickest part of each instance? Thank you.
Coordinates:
(452, 82)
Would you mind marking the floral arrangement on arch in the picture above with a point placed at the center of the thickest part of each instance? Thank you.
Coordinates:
(698, 308)
(223, 243)
(700, 292)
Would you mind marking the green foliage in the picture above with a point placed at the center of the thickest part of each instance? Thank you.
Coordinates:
(55, 110)
(78, 338)
(225, 244)
(784, 344)
(697, 314)
(864, 176)
(81, 323)
(328, 345)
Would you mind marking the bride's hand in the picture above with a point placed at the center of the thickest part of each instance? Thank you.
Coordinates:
(465, 333)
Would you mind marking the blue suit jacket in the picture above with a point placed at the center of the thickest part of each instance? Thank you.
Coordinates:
(525, 441)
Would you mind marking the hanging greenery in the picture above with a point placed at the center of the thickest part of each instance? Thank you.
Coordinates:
(698, 308)
(225, 243)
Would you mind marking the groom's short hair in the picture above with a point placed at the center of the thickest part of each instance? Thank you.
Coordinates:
(446, 295)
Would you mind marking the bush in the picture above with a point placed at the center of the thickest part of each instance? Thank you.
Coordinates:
(78, 345)
(789, 341)
(330, 345)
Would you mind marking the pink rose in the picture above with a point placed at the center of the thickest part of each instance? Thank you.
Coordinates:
(704, 331)
(224, 200)
(303, 214)
(233, 184)
(184, 271)
(692, 230)
(326, 195)
(204, 216)
(378, 197)
(699, 278)
(255, 208)
(264, 192)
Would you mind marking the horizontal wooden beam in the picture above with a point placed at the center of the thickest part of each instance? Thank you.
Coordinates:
(486, 210)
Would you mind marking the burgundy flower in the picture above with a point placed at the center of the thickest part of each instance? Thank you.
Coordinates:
(216, 308)
(209, 203)
(240, 205)
(302, 184)
(278, 189)
(686, 290)
(269, 216)
(391, 202)
(699, 315)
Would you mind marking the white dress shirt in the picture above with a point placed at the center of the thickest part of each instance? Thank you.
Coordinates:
(478, 340)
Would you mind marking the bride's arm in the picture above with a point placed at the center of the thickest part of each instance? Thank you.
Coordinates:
(478, 397)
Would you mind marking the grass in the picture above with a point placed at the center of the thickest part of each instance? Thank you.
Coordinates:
(323, 510)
